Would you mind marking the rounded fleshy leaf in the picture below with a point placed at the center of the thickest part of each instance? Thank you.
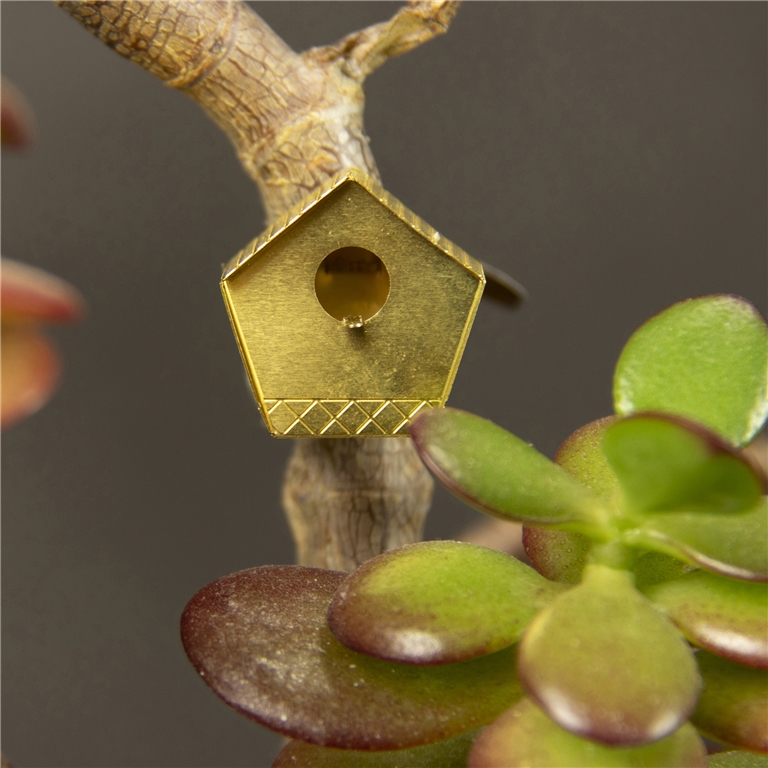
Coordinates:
(737, 760)
(30, 364)
(438, 602)
(582, 456)
(705, 359)
(731, 545)
(30, 294)
(668, 463)
(557, 555)
(724, 616)
(604, 664)
(260, 640)
(733, 707)
(17, 123)
(524, 737)
(451, 753)
(498, 473)
(30, 373)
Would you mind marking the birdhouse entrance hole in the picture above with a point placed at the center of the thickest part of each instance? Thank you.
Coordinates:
(352, 285)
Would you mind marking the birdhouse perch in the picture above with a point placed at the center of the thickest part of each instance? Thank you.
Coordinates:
(351, 313)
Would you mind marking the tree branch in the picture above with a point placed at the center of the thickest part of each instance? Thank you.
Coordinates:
(295, 121)
(365, 51)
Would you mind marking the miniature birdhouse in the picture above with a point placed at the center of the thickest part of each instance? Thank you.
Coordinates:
(351, 313)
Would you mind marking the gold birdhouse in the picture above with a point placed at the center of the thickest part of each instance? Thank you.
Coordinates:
(351, 313)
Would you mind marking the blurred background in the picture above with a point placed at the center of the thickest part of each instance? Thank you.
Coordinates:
(609, 156)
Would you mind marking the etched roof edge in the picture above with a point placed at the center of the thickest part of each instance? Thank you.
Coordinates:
(277, 227)
(282, 223)
(430, 233)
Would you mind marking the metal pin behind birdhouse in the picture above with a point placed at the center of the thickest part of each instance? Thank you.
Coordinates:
(351, 313)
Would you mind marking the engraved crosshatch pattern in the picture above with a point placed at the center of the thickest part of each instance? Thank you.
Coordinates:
(344, 418)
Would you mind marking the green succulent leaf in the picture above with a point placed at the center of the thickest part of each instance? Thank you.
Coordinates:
(654, 567)
(524, 737)
(498, 473)
(724, 616)
(668, 463)
(563, 555)
(705, 359)
(555, 554)
(438, 602)
(737, 760)
(733, 707)
(260, 640)
(604, 664)
(731, 545)
(582, 456)
(451, 753)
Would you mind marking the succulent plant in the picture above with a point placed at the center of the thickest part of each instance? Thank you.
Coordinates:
(643, 623)
(29, 299)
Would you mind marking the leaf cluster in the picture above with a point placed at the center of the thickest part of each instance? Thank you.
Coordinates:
(643, 623)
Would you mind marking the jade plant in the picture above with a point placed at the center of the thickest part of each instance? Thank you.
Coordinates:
(642, 625)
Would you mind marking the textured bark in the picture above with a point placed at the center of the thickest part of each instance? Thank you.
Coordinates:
(351, 499)
(295, 121)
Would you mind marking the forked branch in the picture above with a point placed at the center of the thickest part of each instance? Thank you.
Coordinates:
(295, 121)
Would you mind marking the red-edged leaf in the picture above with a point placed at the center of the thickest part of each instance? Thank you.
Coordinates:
(606, 665)
(668, 463)
(733, 707)
(451, 753)
(30, 374)
(260, 640)
(438, 602)
(524, 737)
(731, 545)
(501, 474)
(724, 616)
(28, 294)
(30, 364)
(17, 123)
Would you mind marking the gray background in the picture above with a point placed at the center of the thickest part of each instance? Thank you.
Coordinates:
(612, 157)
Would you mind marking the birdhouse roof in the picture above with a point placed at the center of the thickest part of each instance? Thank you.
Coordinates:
(354, 175)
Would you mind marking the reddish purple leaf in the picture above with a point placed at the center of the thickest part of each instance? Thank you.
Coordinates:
(260, 640)
(451, 753)
(733, 707)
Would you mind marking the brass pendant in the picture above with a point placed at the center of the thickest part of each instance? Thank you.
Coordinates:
(351, 313)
